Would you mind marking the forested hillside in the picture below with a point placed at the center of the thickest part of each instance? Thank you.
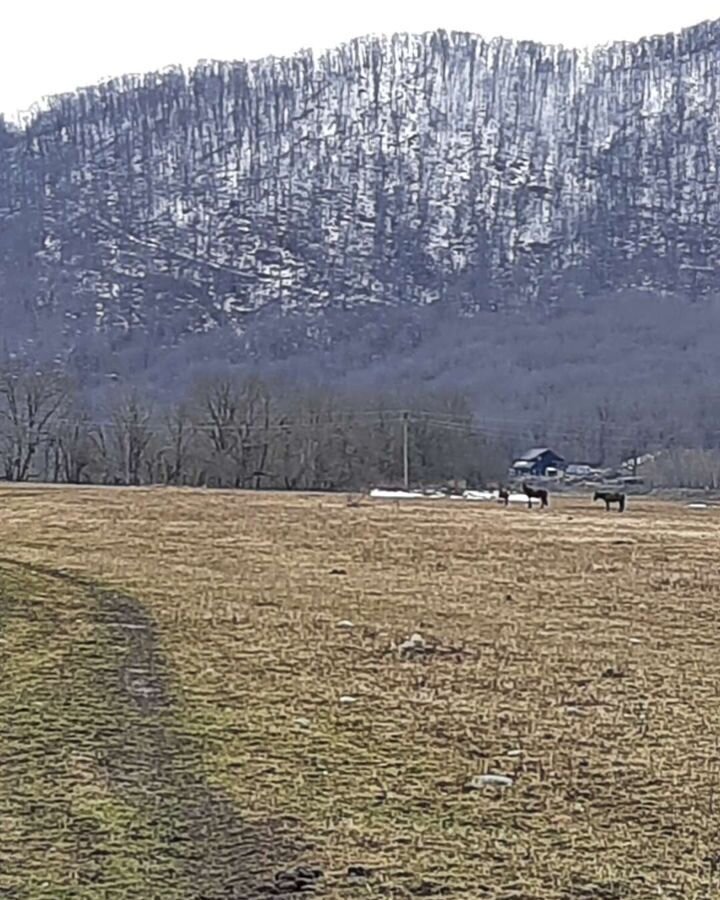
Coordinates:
(400, 209)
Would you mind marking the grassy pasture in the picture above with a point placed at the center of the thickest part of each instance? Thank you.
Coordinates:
(182, 713)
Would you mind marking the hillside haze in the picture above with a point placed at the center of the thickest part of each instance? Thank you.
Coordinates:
(331, 211)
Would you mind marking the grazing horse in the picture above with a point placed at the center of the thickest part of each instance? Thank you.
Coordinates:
(504, 495)
(535, 493)
(611, 497)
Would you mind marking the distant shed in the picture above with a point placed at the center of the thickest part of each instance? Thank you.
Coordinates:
(536, 463)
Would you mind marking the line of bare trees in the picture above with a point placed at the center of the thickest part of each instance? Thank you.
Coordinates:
(236, 432)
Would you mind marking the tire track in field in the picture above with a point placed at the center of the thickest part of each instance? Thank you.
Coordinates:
(117, 705)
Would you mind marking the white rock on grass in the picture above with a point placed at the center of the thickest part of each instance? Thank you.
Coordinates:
(478, 782)
(414, 644)
(345, 623)
(347, 699)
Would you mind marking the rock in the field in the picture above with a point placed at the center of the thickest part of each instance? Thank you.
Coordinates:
(348, 699)
(478, 782)
(613, 673)
(415, 645)
(303, 723)
(299, 879)
(357, 872)
(345, 623)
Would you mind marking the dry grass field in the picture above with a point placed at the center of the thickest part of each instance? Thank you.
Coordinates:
(200, 690)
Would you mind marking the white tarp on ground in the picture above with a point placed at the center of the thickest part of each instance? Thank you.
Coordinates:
(476, 496)
(521, 498)
(486, 496)
(378, 494)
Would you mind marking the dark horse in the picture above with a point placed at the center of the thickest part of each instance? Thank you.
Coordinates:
(504, 495)
(611, 497)
(535, 493)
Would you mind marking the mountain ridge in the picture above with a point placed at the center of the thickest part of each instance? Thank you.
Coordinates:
(398, 172)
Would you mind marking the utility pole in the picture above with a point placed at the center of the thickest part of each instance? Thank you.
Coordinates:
(406, 460)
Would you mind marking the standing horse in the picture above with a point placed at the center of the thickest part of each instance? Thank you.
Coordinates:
(504, 496)
(611, 497)
(535, 494)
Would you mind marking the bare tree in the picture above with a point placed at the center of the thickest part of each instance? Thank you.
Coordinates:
(133, 433)
(176, 455)
(30, 403)
(77, 448)
(235, 422)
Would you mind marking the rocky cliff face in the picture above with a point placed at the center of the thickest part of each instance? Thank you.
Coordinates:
(404, 171)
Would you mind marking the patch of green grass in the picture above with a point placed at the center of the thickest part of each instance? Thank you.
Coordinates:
(100, 792)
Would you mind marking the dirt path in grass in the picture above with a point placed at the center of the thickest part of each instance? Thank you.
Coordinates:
(102, 791)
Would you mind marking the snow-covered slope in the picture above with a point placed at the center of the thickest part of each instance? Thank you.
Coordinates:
(401, 171)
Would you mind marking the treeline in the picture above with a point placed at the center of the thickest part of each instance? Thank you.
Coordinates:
(684, 468)
(230, 432)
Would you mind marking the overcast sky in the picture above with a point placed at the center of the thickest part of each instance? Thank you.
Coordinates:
(52, 46)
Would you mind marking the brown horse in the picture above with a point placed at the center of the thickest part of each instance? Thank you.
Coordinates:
(535, 494)
(504, 495)
(611, 497)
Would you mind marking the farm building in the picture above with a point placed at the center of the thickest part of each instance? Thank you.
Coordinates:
(536, 463)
